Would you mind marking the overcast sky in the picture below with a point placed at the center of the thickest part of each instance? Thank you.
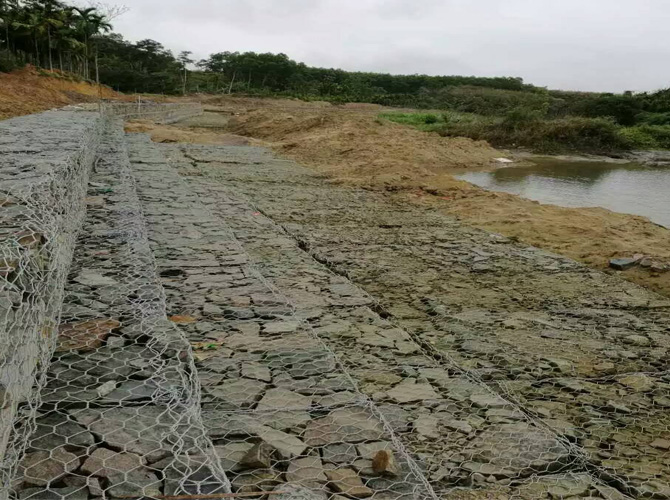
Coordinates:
(606, 45)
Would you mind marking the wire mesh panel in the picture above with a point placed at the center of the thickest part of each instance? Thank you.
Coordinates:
(117, 412)
(120, 414)
(188, 345)
(279, 406)
(147, 110)
(558, 391)
(45, 161)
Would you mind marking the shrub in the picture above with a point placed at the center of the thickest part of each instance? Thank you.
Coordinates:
(647, 136)
(8, 62)
(430, 119)
(654, 118)
(547, 136)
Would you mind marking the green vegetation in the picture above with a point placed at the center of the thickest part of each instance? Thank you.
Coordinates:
(529, 129)
(505, 111)
(50, 34)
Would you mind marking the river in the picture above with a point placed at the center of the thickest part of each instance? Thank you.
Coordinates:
(622, 187)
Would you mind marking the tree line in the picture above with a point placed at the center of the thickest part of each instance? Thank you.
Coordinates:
(51, 34)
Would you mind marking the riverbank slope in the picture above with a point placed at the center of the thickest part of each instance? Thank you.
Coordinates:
(351, 145)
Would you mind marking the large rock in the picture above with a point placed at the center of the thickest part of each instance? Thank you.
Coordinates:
(298, 492)
(637, 382)
(137, 483)
(410, 391)
(55, 430)
(231, 455)
(287, 445)
(512, 450)
(256, 371)
(276, 399)
(241, 393)
(346, 425)
(348, 482)
(43, 467)
(104, 463)
(144, 431)
(296, 408)
(307, 471)
(90, 277)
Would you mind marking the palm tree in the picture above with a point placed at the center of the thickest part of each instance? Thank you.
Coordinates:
(32, 25)
(90, 23)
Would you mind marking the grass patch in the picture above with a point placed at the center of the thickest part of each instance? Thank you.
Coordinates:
(428, 122)
(527, 128)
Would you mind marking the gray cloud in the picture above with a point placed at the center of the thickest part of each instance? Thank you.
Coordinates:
(608, 45)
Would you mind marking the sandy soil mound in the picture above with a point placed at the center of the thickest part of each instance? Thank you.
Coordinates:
(198, 135)
(361, 148)
(27, 91)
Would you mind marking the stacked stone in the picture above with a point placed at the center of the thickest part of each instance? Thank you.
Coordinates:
(157, 112)
(43, 175)
(281, 411)
(583, 354)
(120, 414)
(462, 433)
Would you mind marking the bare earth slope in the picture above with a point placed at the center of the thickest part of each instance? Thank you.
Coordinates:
(26, 91)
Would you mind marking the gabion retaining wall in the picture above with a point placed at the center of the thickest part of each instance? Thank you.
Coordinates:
(45, 162)
(160, 113)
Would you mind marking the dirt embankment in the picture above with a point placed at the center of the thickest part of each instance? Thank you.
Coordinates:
(351, 145)
(29, 91)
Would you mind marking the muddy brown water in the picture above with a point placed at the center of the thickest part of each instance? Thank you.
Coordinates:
(629, 187)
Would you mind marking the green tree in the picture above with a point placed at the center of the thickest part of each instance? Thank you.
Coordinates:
(185, 59)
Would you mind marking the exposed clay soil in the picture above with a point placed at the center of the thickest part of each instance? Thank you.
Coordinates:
(351, 145)
(27, 91)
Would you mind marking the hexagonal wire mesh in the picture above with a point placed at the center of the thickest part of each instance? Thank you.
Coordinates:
(283, 404)
(119, 413)
(515, 428)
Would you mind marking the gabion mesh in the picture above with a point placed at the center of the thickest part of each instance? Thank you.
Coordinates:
(147, 110)
(557, 390)
(226, 324)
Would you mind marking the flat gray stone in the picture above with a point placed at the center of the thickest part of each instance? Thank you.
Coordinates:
(308, 470)
(90, 277)
(143, 431)
(231, 455)
(279, 327)
(623, 264)
(104, 463)
(43, 467)
(513, 450)
(410, 391)
(346, 425)
(256, 371)
(238, 393)
(343, 453)
(57, 430)
(298, 492)
(135, 483)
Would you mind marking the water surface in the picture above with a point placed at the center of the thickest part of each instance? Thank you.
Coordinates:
(629, 188)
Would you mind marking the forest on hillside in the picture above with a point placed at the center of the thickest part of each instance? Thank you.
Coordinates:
(78, 42)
